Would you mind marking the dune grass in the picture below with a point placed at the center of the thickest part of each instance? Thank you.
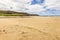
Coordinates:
(11, 14)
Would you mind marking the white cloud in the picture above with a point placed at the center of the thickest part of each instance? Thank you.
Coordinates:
(55, 4)
(21, 5)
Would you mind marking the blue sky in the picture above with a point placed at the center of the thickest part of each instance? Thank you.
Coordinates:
(35, 2)
(41, 7)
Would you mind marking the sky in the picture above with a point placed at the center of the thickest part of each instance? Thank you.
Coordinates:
(41, 7)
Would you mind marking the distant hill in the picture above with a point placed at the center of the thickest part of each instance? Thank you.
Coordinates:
(13, 13)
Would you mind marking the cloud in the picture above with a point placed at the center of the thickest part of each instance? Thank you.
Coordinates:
(25, 6)
(53, 4)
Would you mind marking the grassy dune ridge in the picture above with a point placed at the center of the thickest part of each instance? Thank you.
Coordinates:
(13, 13)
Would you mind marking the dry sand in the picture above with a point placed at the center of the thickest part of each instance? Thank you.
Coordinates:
(30, 28)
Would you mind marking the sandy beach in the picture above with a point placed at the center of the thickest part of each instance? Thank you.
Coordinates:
(30, 28)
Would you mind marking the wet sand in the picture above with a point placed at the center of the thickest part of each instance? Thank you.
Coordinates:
(30, 28)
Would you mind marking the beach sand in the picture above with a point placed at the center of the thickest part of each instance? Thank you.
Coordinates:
(30, 28)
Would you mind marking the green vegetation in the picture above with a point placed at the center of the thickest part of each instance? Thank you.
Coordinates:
(12, 13)
(1, 14)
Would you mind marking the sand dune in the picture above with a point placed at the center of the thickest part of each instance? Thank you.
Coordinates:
(30, 28)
